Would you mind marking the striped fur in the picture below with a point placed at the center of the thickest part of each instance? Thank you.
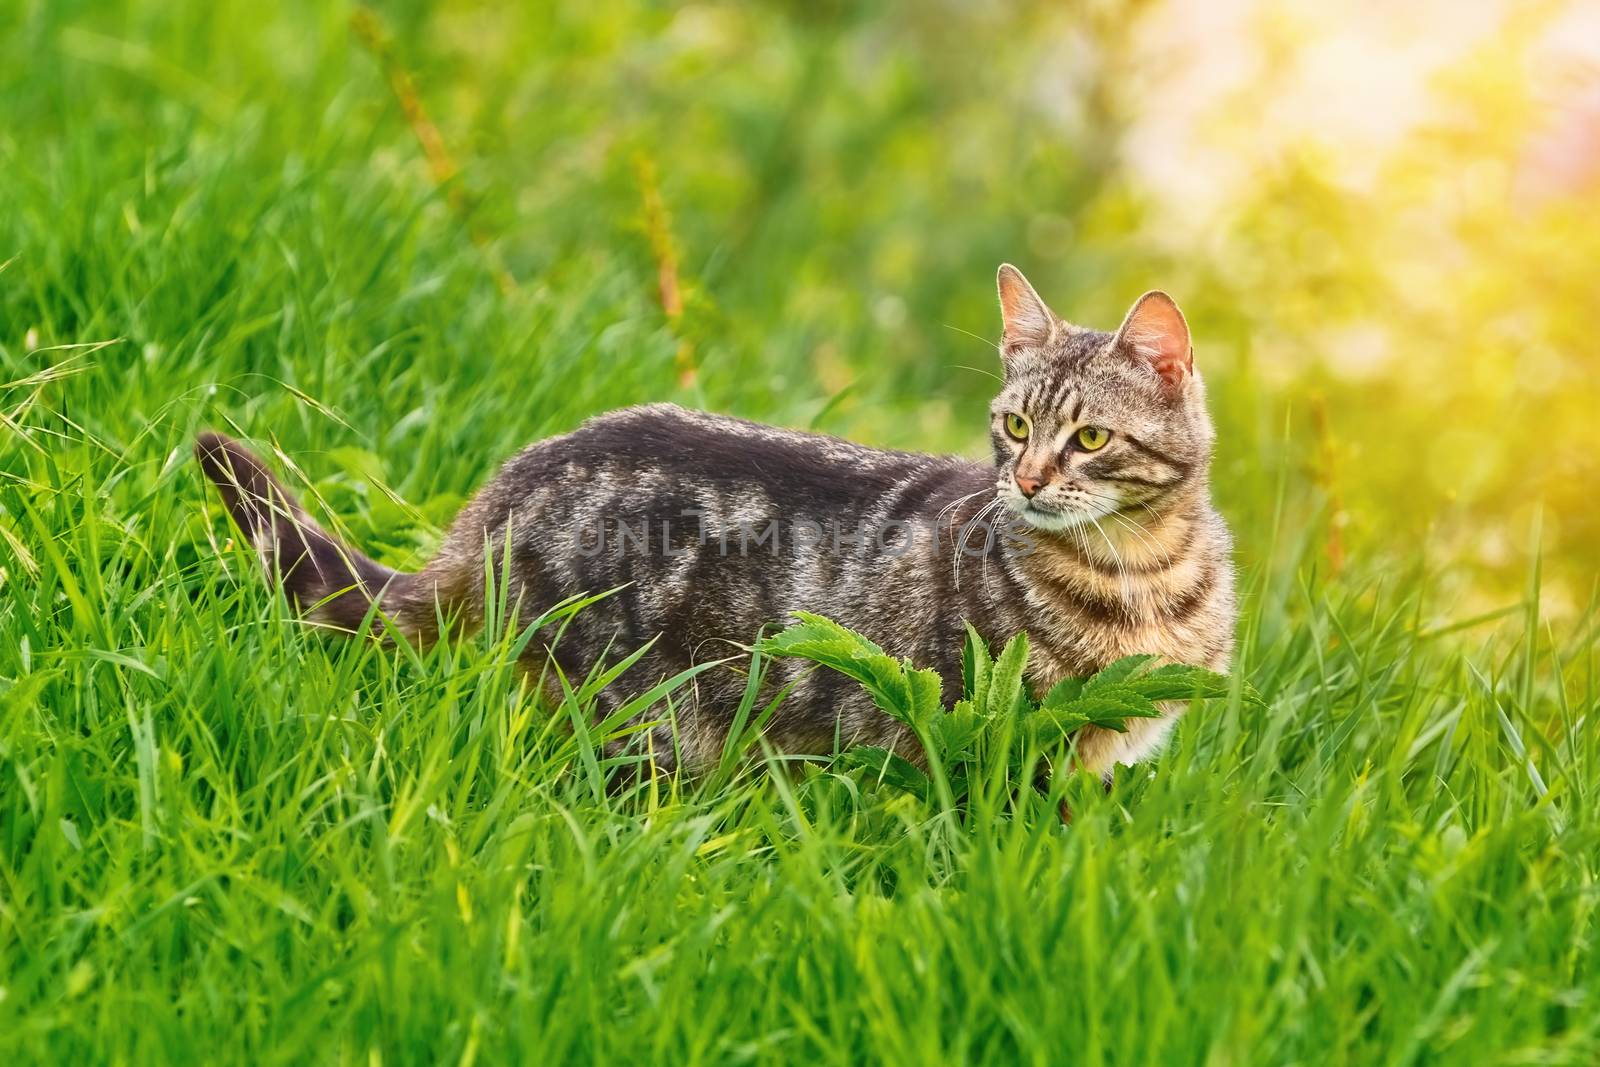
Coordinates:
(712, 528)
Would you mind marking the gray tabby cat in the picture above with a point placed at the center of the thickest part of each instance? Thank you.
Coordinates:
(1092, 530)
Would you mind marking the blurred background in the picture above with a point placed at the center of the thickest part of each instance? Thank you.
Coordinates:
(392, 242)
(404, 240)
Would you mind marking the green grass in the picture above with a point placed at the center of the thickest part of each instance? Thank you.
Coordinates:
(226, 837)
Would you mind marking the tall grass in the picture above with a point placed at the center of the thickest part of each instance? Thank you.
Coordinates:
(225, 836)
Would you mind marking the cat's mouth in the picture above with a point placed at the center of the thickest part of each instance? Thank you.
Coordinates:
(1060, 508)
(1049, 518)
(1052, 519)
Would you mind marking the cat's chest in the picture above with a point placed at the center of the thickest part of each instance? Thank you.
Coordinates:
(1080, 619)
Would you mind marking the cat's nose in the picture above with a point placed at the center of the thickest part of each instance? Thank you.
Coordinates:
(1029, 486)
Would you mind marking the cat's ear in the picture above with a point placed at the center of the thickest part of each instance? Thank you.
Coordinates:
(1156, 334)
(1028, 322)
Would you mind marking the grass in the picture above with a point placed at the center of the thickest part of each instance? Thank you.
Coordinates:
(226, 837)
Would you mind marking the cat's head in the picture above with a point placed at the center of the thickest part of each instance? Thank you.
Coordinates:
(1089, 423)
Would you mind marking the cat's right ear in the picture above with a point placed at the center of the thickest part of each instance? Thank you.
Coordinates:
(1028, 322)
(1156, 334)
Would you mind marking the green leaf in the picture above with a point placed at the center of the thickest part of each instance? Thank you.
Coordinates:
(1106, 708)
(1120, 671)
(956, 732)
(927, 696)
(996, 692)
(816, 635)
(1179, 681)
(1169, 681)
(976, 666)
(1064, 692)
(1006, 694)
(889, 769)
(908, 696)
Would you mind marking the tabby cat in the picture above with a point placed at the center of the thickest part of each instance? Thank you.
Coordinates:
(1092, 530)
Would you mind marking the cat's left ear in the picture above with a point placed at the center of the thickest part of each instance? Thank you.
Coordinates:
(1156, 334)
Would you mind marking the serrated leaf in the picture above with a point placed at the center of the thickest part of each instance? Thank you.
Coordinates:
(820, 632)
(1119, 702)
(889, 769)
(1064, 692)
(1119, 671)
(956, 732)
(1005, 685)
(1182, 681)
(976, 666)
(1178, 681)
(905, 695)
(927, 696)
(995, 693)
(887, 684)
(1106, 708)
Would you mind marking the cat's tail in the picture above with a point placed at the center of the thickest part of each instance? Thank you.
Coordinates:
(329, 581)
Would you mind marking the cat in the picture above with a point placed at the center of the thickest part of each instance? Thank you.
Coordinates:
(1092, 530)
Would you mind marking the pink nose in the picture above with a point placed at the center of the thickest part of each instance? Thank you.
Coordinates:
(1029, 486)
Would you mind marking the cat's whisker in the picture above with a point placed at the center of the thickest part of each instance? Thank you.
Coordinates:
(1122, 572)
(957, 502)
(961, 540)
(987, 577)
(987, 343)
(1082, 542)
(1144, 537)
(1137, 529)
(979, 370)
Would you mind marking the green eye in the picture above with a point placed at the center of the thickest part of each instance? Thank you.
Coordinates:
(1093, 438)
(1017, 426)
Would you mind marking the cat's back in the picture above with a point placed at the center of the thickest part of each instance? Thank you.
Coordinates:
(722, 447)
(654, 462)
(623, 450)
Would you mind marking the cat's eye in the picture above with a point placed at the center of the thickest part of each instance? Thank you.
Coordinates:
(1092, 438)
(1017, 426)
